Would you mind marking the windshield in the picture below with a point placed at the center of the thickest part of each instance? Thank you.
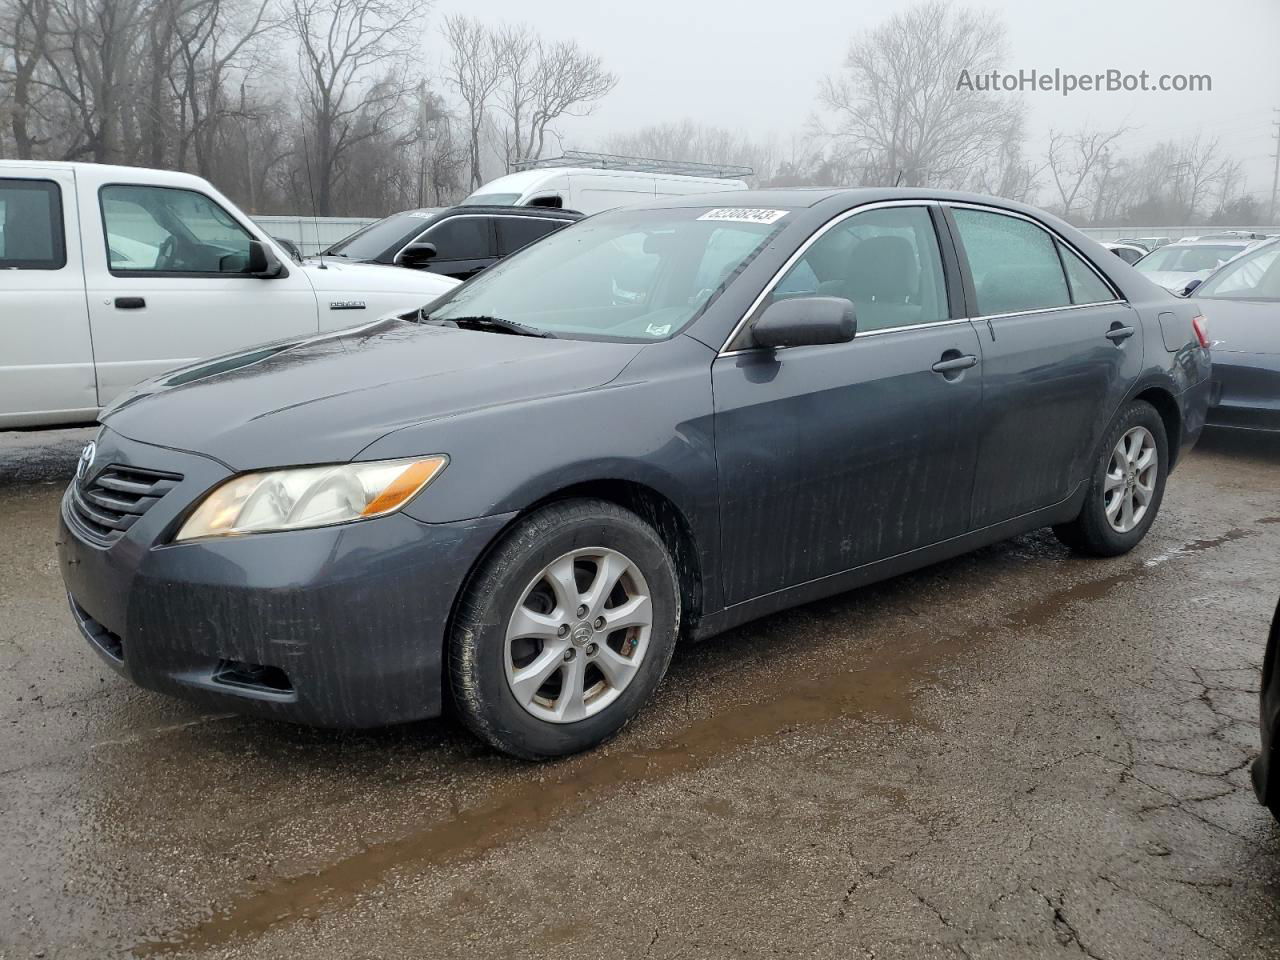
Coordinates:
(377, 238)
(490, 200)
(1252, 277)
(1174, 258)
(638, 275)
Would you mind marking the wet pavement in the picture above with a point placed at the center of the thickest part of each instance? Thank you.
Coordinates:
(1015, 754)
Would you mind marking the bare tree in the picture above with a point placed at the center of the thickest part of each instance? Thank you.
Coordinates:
(1075, 159)
(353, 56)
(24, 37)
(700, 143)
(901, 108)
(474, 71)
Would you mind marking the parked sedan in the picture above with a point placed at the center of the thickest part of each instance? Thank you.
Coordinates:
(456, 242)
(523, 494)
(1242, 301)
(1176, 266)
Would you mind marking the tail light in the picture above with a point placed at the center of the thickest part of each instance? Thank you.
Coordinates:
(1201, 326)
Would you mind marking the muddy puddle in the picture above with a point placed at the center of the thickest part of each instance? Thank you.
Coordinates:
(862, 684)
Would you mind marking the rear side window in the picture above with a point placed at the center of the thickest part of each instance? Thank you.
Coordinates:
(1086, 287)
(31, 235)
(517, 232)
(460, 238)
(1014, 263)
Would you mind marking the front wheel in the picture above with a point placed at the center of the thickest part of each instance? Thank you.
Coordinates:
(1125, 487)
(565, 630)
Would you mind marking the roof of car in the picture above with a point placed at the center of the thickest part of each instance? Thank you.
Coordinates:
(555, 213)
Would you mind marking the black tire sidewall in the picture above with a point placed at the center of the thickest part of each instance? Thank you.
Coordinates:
(478, 640)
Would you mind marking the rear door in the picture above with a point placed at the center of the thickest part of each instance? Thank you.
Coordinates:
(839, 455)
(1060, 350)
(164, 269)
(46, 356)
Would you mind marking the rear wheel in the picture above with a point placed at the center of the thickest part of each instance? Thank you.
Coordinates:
(1126, 486)
(565, 631)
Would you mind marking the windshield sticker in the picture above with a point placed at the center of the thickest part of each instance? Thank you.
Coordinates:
(744, 215)
(654, 330)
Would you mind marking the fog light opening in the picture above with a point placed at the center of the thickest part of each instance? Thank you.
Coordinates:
(253, 676)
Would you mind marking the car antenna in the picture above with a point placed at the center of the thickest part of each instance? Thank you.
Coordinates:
(898, 179)
(306, 159)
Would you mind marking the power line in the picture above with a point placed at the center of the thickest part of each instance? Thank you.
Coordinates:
(1275, 177)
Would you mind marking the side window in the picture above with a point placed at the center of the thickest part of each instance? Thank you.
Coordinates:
(460, 238)
(31, 235)
(1084, 283)
(886, 261)
(517, 232)
(161, 230)
(1014, 263)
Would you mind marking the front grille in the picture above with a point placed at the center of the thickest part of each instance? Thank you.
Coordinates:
(114, 500)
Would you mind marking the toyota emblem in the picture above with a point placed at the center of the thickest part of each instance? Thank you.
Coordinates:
(86, 460)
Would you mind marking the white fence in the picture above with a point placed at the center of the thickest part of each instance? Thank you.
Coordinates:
(312, 234)
(1173, 233)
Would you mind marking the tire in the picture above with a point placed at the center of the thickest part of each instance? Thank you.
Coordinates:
(1102, 533)
(518, 627)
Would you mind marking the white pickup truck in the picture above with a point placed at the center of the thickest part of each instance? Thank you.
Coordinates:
(110, 275)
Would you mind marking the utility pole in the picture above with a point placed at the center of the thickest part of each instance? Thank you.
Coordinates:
(1275, 177)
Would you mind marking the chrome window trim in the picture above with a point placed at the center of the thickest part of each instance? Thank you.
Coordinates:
(478, 216)
(804, 248)
(1001, 211)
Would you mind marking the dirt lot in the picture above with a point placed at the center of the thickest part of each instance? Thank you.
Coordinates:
(1016, 754)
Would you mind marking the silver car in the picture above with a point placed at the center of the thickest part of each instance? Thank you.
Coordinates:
(1176, 265)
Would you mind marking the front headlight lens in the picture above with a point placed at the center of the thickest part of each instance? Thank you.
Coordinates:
(309, 497)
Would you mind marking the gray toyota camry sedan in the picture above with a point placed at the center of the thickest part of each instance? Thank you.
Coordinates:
(655, 424)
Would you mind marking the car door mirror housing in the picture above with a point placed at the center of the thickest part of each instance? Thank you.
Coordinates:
(806, 322)
(1190, 287)
(263, 263)
(416, 254)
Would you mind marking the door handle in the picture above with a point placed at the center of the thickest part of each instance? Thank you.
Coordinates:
(955, 363)
(1119, 333)
(130, 303)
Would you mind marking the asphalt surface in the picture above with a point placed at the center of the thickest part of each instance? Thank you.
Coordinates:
(1015, 754)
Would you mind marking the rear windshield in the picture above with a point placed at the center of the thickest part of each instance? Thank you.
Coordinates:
(490, 200)
(389, 233)
(633, 275)
(1174, 258)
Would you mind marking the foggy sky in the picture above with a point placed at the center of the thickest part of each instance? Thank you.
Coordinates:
(756, 64)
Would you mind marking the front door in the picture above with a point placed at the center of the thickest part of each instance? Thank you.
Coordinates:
(1060, 351)
(835, 456)
(166, 283)
(465, 245)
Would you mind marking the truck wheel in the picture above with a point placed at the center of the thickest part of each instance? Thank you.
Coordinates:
(1125, 486)
(565, 630)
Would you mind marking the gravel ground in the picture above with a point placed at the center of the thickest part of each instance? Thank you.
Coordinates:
(1018, 753)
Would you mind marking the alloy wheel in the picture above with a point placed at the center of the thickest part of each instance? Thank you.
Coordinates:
(1130, 481)
(578, 635)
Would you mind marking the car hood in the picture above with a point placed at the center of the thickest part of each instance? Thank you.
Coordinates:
(348, 276)
(1242, 326)
(324, 399)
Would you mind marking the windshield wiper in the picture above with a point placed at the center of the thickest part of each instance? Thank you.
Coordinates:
(496, 324)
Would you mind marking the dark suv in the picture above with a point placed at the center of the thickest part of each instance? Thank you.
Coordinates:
(456, 241)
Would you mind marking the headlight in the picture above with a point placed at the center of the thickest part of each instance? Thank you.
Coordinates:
(309, 497)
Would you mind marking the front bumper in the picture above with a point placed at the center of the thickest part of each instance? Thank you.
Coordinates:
(340, 626)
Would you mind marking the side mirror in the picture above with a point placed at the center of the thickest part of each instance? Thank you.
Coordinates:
(263, 263)
(1186, 291)
(416, 254)
(805, 322)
